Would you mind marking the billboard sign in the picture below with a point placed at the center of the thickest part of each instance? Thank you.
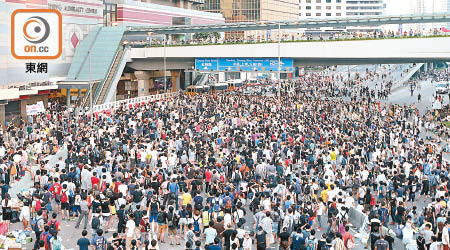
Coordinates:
(244, 64)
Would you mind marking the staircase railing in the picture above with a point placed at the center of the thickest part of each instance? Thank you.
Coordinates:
(99, 89)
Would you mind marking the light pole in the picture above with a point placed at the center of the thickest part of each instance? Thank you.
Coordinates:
(279, 62)
(90, 80)
(165, 83)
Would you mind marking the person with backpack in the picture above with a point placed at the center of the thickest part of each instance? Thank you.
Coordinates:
(55, 190)
(311, 242)
(65, 203)
(172, 225)
(96, 221)
(54, 223)
(162, 224)
(37, 224)
(99, 242)
(56, 241)
(45, 237)
(174, 188)
(197, 224)
(36, 204)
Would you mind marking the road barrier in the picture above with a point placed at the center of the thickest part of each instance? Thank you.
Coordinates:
(133, 102)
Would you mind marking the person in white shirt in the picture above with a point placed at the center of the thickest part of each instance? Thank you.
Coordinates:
(445, 236)
(247, 244)
(130, 228)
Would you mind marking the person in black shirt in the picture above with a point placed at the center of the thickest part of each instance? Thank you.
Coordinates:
(227, 236)
(284, 239)
(155, 184)
(261, 239)
(96, 203)
(401, 210)
(390, 239)
(122, 217)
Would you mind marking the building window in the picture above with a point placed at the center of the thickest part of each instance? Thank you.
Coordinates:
(338, 1)
(328, 7)
(338, 14)
(318, 7)
(308, 1)
(308, 7)
(328, 1)
(318, 14)
(308, 14)
(328, 14)
(110, 14)
(318, 1)
(338, 7)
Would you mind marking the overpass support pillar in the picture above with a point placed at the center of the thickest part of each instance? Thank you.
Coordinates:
(187, 79)
(425, 67)
(3, 117)
(68, 97)
(431, 65)
(45, 100)
(175, 77)
(143, 78)
(23, 109)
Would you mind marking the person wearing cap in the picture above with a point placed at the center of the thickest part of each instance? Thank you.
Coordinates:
(284, 238)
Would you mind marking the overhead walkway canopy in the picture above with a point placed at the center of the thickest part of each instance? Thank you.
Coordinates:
(306, 23)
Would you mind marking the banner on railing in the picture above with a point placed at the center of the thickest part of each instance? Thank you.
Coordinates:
(131, 103)
(34, 109)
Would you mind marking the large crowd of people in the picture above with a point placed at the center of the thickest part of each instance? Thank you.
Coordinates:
(231, 171)
(261, 37)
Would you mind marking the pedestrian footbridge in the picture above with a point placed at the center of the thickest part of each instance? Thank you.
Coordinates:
(395, 50)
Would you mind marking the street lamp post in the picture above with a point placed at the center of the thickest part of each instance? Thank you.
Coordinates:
(90, 79)
(279, 61)
(165, 83)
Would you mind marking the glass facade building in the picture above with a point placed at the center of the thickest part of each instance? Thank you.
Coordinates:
(253, 10)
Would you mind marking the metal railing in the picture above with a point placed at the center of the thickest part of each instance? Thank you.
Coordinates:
(295, 39)
(134, 101)
(98, 91)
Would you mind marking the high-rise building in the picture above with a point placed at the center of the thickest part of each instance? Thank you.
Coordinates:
(364, 7)
(428, 6)
(340, 8)
(253, 10)
(322, 8)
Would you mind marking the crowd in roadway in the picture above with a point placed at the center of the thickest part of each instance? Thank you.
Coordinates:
(232, 171)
